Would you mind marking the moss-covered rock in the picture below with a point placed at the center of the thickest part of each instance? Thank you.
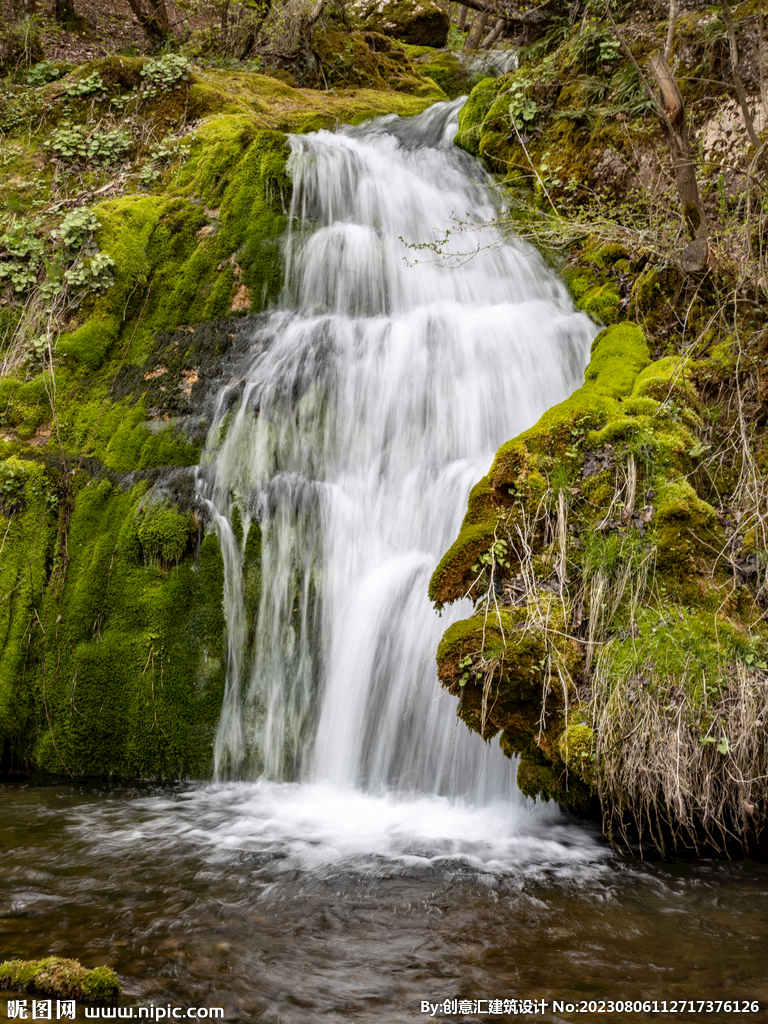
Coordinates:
(445, 68)
(367, 59)
(56, 976)
(418, 22)
(601, 585)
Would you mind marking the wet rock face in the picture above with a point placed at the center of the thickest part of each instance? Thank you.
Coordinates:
(420, 22)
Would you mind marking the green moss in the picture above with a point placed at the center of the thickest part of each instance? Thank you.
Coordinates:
(163, 531)
(473, 637)
(473, 113)
(618, 355)
(452, 577)
(602, 303)
(27, 522)
(576, 747)
(446, 70)
(686, 529)
(126, 227)
(110, 665)
(418, 22)
(580, 281)
(653, 299)
(167, 272)
(56, 976)
(538, 777)
(691, 648)
(666, 379)
(605, 255)
(116, 71)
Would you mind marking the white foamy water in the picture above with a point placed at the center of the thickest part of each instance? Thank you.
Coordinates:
(319, 829)
(376, 397)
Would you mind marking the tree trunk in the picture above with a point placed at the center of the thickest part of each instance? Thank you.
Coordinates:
(676, 131)
(64, 12)
(153, 18)
(494, 34)
(461, 21)
(476, 32)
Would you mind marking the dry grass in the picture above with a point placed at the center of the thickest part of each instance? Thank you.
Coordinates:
(683, 772)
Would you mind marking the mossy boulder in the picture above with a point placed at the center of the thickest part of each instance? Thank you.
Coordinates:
(418, 22)
(365, 59)
(601, 584)
(618, 355)
(474, 112)
(57, 976)
(445, 68)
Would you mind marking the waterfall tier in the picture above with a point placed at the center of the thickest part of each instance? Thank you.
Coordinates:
(375, 398)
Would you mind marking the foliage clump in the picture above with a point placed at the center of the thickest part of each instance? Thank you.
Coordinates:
(73, 144)
(163, 531)
(88, 85)
(164, 74)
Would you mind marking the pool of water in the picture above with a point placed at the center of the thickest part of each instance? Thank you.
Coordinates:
(307, 903)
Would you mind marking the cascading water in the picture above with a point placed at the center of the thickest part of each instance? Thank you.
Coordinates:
(375, 399)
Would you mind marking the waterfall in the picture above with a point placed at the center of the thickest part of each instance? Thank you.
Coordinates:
(375, 397)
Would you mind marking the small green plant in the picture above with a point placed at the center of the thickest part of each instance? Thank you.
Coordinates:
(162, 154)
(94, 273)
(75, 228)
(163, 74)
(36, 352)
(722, 744)
(609, 50)
(21, 253)
(42, 74)
(522, 109)
(560, 30)
(67, 258)
(629, 96)
(498, 554)
(11, 484)
(466, 665)
(73, 145)
(91, 85)
(550, 175)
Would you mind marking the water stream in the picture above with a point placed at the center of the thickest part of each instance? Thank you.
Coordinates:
(383, 388)
(360, 851)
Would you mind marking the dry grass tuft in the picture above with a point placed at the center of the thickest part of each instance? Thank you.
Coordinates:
(685, 773)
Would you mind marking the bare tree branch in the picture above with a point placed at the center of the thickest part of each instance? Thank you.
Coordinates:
(739, 83)
(670, 30)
